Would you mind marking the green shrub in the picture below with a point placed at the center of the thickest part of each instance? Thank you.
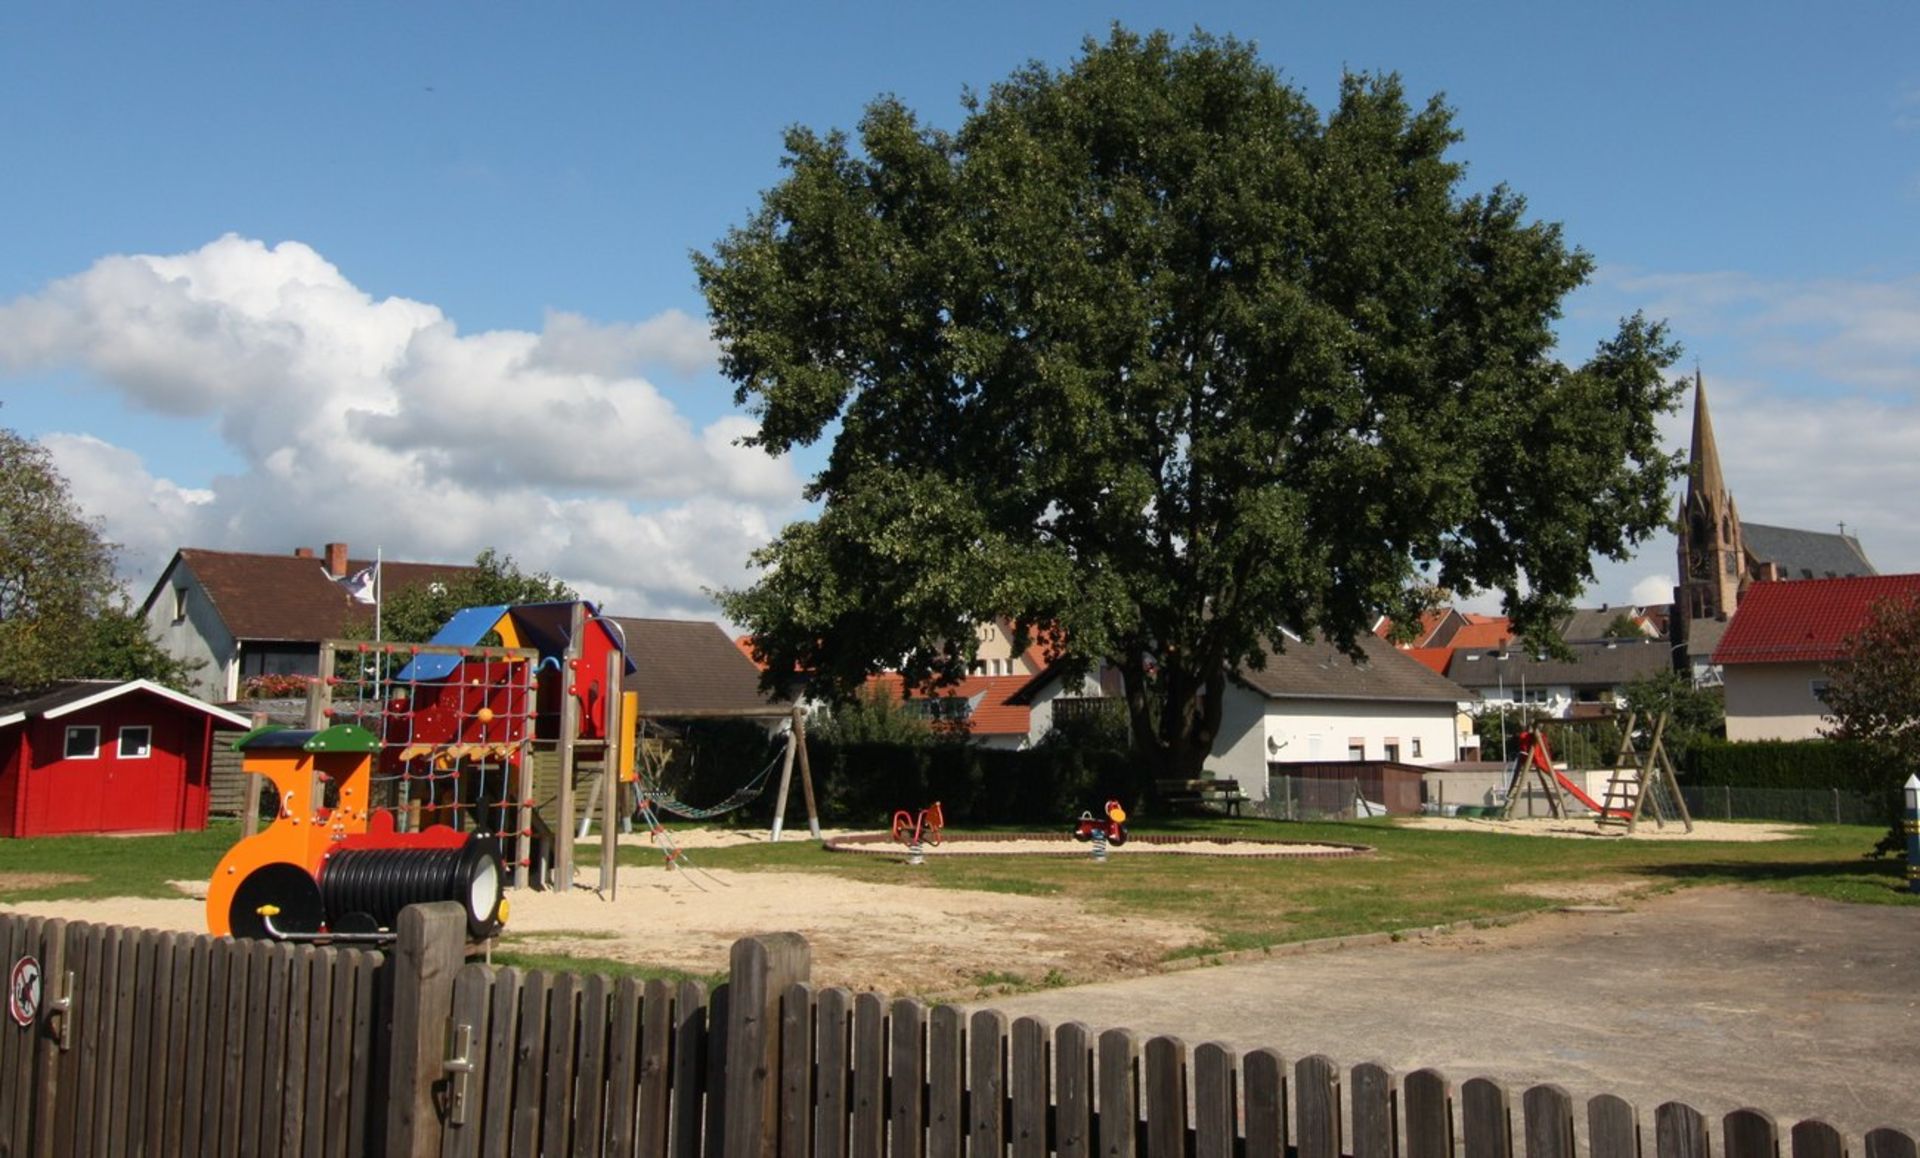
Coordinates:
(1801, 765)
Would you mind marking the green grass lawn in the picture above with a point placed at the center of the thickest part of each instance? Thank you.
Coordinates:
(1417, 878)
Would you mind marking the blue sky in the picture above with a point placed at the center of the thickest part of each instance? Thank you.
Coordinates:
(415, 276)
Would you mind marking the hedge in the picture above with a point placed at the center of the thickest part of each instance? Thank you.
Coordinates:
(1801, 765)
(863, 785)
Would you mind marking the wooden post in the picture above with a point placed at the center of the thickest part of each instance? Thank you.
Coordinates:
(806, 771)
(570, 675)
(610, 778)
(763, 969)
(786, 776)
(426, 958)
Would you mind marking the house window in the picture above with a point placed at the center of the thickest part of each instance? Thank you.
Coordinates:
(1393, 753)
(1416, 747)
(1356, 752)
(179, 604)
(1819, 689)
(83, 742)
(136, 742)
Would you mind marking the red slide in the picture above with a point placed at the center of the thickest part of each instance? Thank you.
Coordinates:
(1534, 751)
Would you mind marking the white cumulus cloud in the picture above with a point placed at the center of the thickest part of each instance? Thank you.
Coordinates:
(377, 422)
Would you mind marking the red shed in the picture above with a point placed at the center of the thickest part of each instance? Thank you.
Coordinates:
(105, 756)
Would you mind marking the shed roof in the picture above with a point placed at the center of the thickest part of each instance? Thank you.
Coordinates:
(690, 666)
(1806, 621)
(69, 696)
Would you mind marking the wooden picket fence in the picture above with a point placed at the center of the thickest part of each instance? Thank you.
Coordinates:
(169, 1044)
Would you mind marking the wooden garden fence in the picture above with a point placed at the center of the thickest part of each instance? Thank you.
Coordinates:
(146, 1043)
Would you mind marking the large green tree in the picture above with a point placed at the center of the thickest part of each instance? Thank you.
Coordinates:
(1150, 352)
(62, 614)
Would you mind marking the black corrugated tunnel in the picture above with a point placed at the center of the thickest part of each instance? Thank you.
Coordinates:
(379, 882)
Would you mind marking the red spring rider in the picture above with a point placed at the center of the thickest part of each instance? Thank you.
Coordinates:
(1113, 828)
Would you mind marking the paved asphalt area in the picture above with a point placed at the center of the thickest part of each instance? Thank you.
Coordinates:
(1717, 997)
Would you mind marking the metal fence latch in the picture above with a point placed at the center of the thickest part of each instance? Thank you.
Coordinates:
(459, 1064)
(62, 1008)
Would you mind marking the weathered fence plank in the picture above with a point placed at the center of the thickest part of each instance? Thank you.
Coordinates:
(1029, 1088)
(986, 1083)
(502, 1054)
(529, 1066)
(466, 1093)
(833, 1080)
(208, 995)
(1427, 1099)
(626, 1010)
(16, 1048)
(796, 1069)
(590, 1086)
(280, 1131)
(907, 1078)
(309, 1123)
(358, 1076)
(1118, 1083)
(428, 951)
(1073, 1090)
(689, 1069)
(1316, 1107)
(266, 1053)
(1548, 1113)
(867, 1133)
(1216, 1107)
(1376, 1120)
(49, 938)
(1485, 1119)
(556, 1111)
(1750, 1133)
(762, 969)
(1680, 1131)
(656, 1060)
(713, 1085)
(1613, 1128)
(246, 983)
(141, 1008)
(1814, 1138)
(1265, 1073)
(947, 1082)
(1164, 1092)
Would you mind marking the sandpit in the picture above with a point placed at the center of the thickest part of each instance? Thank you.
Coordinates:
(1577, 829)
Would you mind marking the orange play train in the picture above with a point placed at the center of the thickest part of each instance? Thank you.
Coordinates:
(332, 867)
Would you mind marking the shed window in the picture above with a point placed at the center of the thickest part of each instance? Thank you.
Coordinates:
(83, 742)
(136, 742)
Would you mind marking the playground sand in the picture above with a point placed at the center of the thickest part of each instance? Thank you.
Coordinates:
(1703, 830)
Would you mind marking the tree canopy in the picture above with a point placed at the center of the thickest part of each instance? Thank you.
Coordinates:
(1874, 694)
(414, 614)
(62, 613)
(1153, 358)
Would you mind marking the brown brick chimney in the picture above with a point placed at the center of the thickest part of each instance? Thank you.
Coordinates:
(337, 560)
(303, 552)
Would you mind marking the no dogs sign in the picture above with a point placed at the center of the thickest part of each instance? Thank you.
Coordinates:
(23, 991)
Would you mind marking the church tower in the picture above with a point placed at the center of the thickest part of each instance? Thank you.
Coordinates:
(1711, 555)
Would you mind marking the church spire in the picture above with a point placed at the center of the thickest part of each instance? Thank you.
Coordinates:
(1703, 466)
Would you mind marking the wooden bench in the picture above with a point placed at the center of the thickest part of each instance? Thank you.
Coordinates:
(1199, 794)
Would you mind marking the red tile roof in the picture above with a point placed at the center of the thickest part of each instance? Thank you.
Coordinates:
(1483, 631)
(1433, 657)
(992, 714)
(1807, 620)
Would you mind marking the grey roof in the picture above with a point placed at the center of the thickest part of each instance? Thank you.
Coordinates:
(1590, 623)
(690, 666)
(1317, 670)
(1806, 554)
(1600, 664)
(1703, 635)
